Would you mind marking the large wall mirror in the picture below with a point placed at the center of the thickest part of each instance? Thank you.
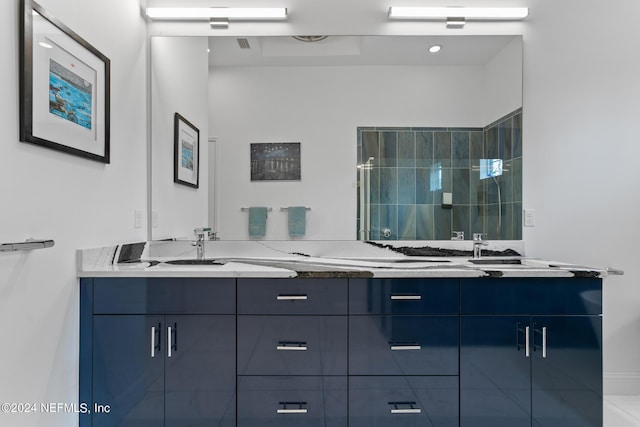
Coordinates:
(395, 142)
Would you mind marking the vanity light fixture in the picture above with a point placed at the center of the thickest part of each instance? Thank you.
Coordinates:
(217, 13)
(435, 48)
(457, 16)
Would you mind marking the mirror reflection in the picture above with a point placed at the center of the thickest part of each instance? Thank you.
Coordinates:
(391, 137)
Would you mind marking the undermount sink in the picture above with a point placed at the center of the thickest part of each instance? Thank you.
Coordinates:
(194, 262)
(493, 261)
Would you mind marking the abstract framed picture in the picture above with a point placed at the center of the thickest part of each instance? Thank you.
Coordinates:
(186, 159)
(64, 87)
(275, 161)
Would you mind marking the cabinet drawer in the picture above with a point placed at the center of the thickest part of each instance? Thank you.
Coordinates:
(163, 296)
(403, 345)
(292, 296)
(292, 401)
(403, 401)
(531, 296)
(403, 296)
(292, 345)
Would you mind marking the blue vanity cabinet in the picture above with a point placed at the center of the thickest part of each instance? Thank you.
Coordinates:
(403, 352)
(292, 352)
(531, 352)
(158, 352)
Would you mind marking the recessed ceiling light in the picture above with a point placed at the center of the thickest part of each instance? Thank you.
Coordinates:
(435, 48)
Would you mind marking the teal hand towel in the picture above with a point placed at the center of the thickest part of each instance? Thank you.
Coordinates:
(257, 221)
(297, 220)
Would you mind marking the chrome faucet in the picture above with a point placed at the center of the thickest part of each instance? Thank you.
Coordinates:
(201, 233)
(478, 242)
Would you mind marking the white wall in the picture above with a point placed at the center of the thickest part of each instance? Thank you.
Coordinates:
(321, 107)
(503, 82)
(179, 81)
(77, 202)
(581, 151)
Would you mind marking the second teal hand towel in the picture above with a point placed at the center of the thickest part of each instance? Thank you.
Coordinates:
(297, 220)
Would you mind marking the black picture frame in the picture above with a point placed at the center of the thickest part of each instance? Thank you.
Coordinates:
(64, 87)
(186, 152)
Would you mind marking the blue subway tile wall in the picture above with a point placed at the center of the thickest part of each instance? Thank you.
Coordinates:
(412, 167)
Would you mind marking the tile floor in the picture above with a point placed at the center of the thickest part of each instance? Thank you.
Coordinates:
(621, 411)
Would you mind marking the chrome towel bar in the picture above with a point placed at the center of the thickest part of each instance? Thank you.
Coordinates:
(27, 245)
(247, 209)
(286, 209)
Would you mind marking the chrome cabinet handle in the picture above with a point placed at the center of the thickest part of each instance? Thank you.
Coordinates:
(403, 347)
(153, 341)
(172, 339)
(409, 408)
(298, 410)
(544, 342)
(527, 353)
(406, 297)
(292, 297)
(292, 346)
(155, 346)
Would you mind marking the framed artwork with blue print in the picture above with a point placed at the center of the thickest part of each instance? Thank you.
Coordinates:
(64, 87)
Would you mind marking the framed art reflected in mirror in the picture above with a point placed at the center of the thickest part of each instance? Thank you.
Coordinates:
(186, 159)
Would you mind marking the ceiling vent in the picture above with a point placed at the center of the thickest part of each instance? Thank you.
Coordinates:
(243, 43)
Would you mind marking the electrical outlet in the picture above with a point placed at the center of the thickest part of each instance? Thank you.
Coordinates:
(137, 219)
(529, 218)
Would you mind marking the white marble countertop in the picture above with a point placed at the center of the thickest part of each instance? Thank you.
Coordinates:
(285, 259)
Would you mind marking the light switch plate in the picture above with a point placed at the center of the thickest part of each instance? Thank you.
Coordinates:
(137, 219)
(529, 218)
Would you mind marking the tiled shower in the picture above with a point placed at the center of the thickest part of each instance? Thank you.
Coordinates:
(412, 167)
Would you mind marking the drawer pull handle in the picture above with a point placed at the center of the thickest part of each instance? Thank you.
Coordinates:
(299, 410)
(291, 297)
(405, 347)
(406, 297)
(404, 408)
(544, 342)
(527, 342)
(292, 346)
(397, 346)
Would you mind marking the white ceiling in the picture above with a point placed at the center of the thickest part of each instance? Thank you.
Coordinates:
(356, 50)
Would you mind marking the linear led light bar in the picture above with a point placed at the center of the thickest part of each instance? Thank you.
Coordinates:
(480, 13)
(204, 13)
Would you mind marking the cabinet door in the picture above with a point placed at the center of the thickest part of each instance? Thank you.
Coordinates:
(200, 371)
(567, 372)
(495, 373)
(128, 370)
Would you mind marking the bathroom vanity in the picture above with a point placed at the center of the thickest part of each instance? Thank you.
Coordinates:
(341, 343)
